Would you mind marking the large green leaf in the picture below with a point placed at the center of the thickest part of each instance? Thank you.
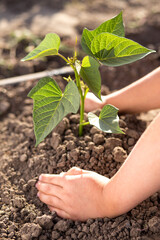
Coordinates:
(113, 50)
(114, 25)
(108, 120)
(49, 46)
(51, 105)
(91, 75)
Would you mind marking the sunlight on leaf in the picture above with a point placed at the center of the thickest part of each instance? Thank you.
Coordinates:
(114, 25)
(49, 46)
(113, 50)
(51, 105)
(108, 120)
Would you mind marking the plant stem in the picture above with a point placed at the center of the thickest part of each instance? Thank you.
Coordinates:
(77, 77)
(82, 123)
(81, 116)
(85, 123)
(82, 101)
(65, 59)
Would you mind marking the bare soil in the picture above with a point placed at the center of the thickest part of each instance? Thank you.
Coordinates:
(22, 215)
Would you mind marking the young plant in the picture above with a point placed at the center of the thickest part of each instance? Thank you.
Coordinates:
(104, 45)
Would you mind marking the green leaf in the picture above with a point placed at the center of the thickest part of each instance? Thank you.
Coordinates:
(112, 50)
(49, 46)
(108, 120)
(51, 105)
(91, 75)
(114, 25)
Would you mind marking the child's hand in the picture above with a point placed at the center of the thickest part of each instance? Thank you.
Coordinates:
(77, 194)
(92, 102)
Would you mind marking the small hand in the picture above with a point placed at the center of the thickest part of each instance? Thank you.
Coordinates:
(76, 194)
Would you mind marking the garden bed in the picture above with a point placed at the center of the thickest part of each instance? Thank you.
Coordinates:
(22, 215)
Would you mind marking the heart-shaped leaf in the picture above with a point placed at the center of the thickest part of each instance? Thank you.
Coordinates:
(113, 50)
(51, 105)
(49, 46)
(108, 120)
(91, 75)
(114, 25)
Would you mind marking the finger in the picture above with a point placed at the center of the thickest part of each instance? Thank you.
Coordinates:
(49, 189)
(77, 171)
(55, 179)
(50, 200)
(59, 212)
(62, 173)
(74, 171)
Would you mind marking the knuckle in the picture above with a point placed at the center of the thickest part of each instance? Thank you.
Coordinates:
(74, 168)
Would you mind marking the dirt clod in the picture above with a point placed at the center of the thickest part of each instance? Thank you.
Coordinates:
(112, 142)
(98, 138)
(62, 126)
(23, 157)
(30, 231)
(119, 154)
(19, 202)
(45, 221)
(62, 226)
(55, 140)
(55, 235)
(132, 133)
(4, 107)
(154, 224)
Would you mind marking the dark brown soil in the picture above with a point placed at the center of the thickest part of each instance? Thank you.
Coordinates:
(22, 215)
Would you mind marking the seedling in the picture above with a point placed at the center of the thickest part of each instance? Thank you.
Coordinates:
(104, 45)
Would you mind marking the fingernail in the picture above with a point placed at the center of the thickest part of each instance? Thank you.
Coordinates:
(38, 194)
(40, 177)
(62, 173)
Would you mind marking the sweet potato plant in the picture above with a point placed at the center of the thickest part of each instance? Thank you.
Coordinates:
(104, 45)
